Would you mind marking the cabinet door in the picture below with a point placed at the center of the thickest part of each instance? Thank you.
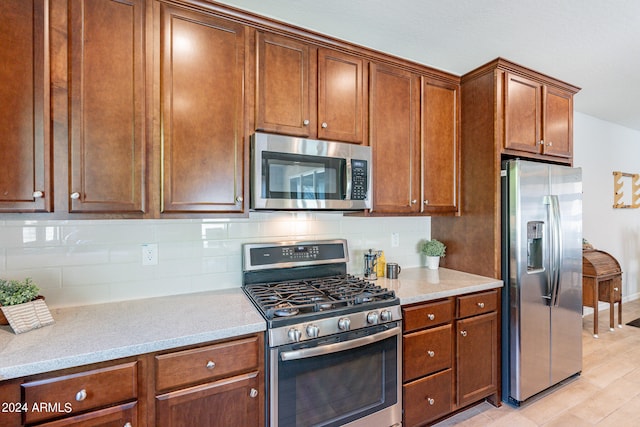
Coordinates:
(340, 96)
(116, 416)
(558, 123)
(230, 402)
(522, 104)
(440, 147)
(202, 74)
(25, 150)
(477, 358)
(394, 114)
(286, 102)
(107, 106)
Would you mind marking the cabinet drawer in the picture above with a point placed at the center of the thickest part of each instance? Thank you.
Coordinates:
(206, 363)
(80, 392)
(471, 305)
(427, 399)
(426, 352)
(113, 416)
(427, 315)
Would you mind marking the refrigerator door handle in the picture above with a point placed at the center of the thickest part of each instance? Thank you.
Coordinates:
(556, 248)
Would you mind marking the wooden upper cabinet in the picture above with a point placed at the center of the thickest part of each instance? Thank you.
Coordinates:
(308, 91)
(107, 106)
(202, 100)
(558, 123)
(341, 94)
(440, 146)
(523, 112)
(285, 100)
(538, 118)
(25, 150)
(394, 114)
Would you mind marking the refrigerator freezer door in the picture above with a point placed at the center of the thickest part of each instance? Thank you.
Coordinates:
(528, 246)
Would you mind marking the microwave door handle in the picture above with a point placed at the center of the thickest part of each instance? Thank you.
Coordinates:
(340, 346)
(347, 181)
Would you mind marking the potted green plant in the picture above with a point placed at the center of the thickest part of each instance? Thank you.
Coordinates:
(434, 250)
(17, 299)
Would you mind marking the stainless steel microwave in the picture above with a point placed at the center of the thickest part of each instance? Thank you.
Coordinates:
(290, 173)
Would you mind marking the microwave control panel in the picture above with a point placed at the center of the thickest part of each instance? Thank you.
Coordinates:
(359, 179)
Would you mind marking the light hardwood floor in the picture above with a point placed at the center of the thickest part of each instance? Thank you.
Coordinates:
(607, 393)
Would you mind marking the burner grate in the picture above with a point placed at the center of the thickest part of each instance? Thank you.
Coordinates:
(289, 298)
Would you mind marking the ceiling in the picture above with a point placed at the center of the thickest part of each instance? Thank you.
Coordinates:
(592, 44)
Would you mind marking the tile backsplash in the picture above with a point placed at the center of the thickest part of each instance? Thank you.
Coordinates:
(80, 262)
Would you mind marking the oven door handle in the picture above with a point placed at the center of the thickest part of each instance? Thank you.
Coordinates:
(340, 346)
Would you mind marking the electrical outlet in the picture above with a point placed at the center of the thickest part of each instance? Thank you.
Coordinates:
(150, 254)
(395, 240)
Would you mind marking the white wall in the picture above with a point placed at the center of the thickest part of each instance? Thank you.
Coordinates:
(601, 148)
(89, 262)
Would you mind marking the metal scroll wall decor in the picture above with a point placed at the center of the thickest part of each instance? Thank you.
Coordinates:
(619, 181)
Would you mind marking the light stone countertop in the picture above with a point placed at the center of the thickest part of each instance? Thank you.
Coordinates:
(97, 333)
(420, 284)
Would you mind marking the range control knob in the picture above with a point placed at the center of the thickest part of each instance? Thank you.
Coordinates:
(372, 317)
(344, 324)
(385, 316)
(294, 335)
(313, 331)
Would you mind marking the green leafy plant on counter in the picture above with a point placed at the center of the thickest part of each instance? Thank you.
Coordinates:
(433, 247)
(13, 292)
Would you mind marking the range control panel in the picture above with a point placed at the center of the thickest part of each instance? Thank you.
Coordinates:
(260, 255)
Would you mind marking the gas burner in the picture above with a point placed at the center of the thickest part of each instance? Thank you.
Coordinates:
(286, 311)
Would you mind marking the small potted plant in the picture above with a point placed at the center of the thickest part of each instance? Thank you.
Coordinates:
(16, 299)
(434, 250)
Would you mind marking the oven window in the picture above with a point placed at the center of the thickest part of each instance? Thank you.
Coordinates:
(289, 176)
(337, 388)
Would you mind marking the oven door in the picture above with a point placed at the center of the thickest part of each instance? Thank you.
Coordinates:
(353, 378)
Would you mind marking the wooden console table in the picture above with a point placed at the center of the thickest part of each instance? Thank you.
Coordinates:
(601, 281)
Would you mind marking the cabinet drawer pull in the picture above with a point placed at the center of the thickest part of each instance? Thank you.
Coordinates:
(481, 304)
(75, 195)
(431, 401)
(431, 316)
(211, 364)
(431, 353)
(38, 194)
(463, 333)
(81, 395)
(253, 393)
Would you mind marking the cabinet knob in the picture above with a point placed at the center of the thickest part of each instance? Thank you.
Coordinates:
(38, 194)
(211, 364)
(414, 201)
(431, 316)
(431, 353)
(541, 142)
(239, 199)
(324, 125)
(81, 395)
(426, 202)
(463, 333)
(306, 122)
(431, 401)
(549, 143)
(75, 195)
(253, 393)
(481, 304)
(615, 289)
(127, 424)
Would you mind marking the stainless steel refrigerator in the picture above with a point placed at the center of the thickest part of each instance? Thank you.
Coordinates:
(542, 273)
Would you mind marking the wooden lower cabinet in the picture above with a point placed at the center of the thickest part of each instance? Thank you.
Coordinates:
(218, 383)
(229, 402)
(450, 355)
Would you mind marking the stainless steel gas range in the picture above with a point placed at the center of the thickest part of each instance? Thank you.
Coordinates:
(334, 349)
